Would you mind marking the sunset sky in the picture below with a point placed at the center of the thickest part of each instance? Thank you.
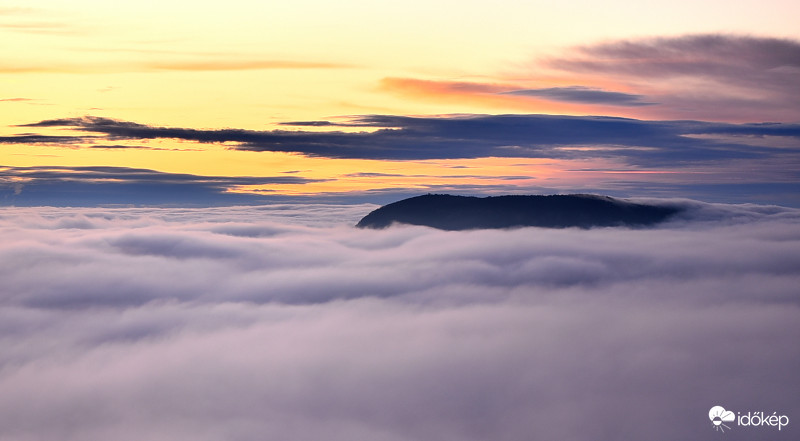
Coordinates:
(180, 184)
(174, 102)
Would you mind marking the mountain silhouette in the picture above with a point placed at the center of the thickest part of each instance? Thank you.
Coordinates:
(448, 212)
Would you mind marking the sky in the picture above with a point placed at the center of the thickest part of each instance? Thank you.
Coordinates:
(179, 185)
(245, 102)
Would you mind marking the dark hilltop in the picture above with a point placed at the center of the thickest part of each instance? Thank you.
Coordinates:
(448, 212)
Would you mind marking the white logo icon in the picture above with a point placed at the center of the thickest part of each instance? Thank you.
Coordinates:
(719, 416)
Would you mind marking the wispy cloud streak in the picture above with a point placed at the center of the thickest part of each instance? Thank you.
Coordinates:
(204, 65)
(578, 94)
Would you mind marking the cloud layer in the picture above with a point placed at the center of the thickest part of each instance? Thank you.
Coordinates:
(286, 322)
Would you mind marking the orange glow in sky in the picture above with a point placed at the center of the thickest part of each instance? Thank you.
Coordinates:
(253, 65)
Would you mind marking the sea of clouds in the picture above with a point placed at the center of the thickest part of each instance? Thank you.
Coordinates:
(287, 323)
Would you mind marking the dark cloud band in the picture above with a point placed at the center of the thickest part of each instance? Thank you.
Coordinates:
(80, 186)
(404, 138)
(577, 94)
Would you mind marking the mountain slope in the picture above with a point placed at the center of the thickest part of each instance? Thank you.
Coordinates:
(448, 212)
